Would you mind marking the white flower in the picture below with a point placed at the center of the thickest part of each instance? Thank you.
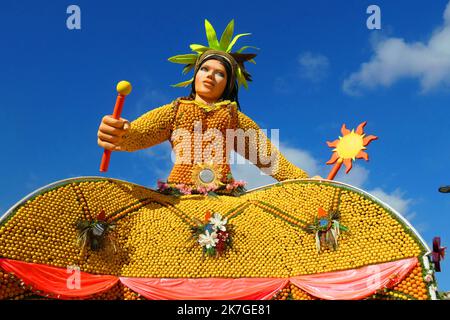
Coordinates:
(208, 240)
(217, 222)
(433, 287)
(428, 278)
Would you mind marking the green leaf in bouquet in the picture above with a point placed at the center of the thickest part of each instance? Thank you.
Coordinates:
(188, 58)
(211, 36)
(198, 48)
(233, 42)
(184, 83)
(212, 194)
(227, 34)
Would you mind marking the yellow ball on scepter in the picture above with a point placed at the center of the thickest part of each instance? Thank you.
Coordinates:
(124, 87)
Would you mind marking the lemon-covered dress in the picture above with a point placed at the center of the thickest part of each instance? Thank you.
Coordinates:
(298, 238)
(188, 118)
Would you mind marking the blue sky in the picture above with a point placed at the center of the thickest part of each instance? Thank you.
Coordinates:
(318, 67)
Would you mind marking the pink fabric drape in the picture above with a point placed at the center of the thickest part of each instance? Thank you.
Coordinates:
(356, 283)
(59, 282)
(206, 288)
(344, 285)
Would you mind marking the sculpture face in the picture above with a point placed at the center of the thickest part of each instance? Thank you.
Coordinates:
(211, 80)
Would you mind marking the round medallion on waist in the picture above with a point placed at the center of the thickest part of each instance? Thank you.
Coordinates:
(207, 175)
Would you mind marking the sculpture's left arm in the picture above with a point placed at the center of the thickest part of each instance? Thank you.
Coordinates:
(254, 146)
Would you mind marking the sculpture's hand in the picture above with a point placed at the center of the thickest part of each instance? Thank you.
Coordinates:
(111, 131)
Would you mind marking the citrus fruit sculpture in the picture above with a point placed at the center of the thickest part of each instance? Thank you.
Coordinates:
(201, 234)
(102, 238)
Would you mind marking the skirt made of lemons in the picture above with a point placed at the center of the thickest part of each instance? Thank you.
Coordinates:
(273, 230)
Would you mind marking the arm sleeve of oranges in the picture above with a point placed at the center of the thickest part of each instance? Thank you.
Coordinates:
(149, 129)
(259, 150)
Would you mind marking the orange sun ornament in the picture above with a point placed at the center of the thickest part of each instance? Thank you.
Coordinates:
(349, 147)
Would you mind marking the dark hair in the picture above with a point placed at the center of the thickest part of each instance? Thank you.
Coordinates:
(231, 89)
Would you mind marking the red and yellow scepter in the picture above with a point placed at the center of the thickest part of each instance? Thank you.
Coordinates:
(349, 147)
(123, 88)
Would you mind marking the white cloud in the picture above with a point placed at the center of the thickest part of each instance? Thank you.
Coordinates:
(395, 59)
(356, 177)
(302, 159)
(313, 66)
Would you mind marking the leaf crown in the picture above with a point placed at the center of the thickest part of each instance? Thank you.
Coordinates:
(222, 47)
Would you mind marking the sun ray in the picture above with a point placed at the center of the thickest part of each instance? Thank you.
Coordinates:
(344, 130)
(348, 165)
(333, 144)
(360, 129)
(333, 159)
(368, 139)
(362, 155)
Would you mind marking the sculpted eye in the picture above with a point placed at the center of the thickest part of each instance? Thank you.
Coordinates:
(204, 68)
(220, 74)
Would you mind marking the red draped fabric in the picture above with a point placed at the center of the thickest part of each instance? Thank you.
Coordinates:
(59, 282)
(356, 283)
(344, 285)
(206, 288)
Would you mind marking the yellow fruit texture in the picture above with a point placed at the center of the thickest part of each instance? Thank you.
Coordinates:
(11, 288)
(182, 122)
(412, 287)
(292, 292)
(153, 235)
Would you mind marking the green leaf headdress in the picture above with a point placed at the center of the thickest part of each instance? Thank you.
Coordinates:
(216, 47)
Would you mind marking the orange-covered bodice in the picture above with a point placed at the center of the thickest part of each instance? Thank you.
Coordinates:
(201, 134)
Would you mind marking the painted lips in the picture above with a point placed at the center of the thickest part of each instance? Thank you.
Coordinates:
(208, 83)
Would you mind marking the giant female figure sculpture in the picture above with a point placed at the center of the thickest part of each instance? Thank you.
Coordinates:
(212, 105)
(201, 235)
